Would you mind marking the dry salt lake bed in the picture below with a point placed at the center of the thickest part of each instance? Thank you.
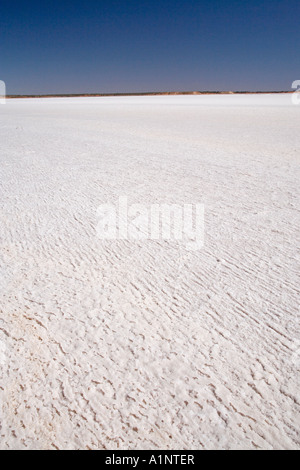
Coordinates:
(144, 344)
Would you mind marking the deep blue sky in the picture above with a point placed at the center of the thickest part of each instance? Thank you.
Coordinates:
(134, 46)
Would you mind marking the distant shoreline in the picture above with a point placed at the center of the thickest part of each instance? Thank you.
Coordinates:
(151, 93)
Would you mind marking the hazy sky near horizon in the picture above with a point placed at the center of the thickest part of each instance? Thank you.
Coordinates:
(138, 46)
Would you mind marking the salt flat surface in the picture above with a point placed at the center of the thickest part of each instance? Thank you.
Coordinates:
(144, 344)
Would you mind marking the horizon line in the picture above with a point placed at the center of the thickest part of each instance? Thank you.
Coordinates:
(148, 93)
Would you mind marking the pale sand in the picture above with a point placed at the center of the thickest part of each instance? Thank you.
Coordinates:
(145, 345)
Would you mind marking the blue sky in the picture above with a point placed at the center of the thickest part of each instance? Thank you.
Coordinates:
(137, 46)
